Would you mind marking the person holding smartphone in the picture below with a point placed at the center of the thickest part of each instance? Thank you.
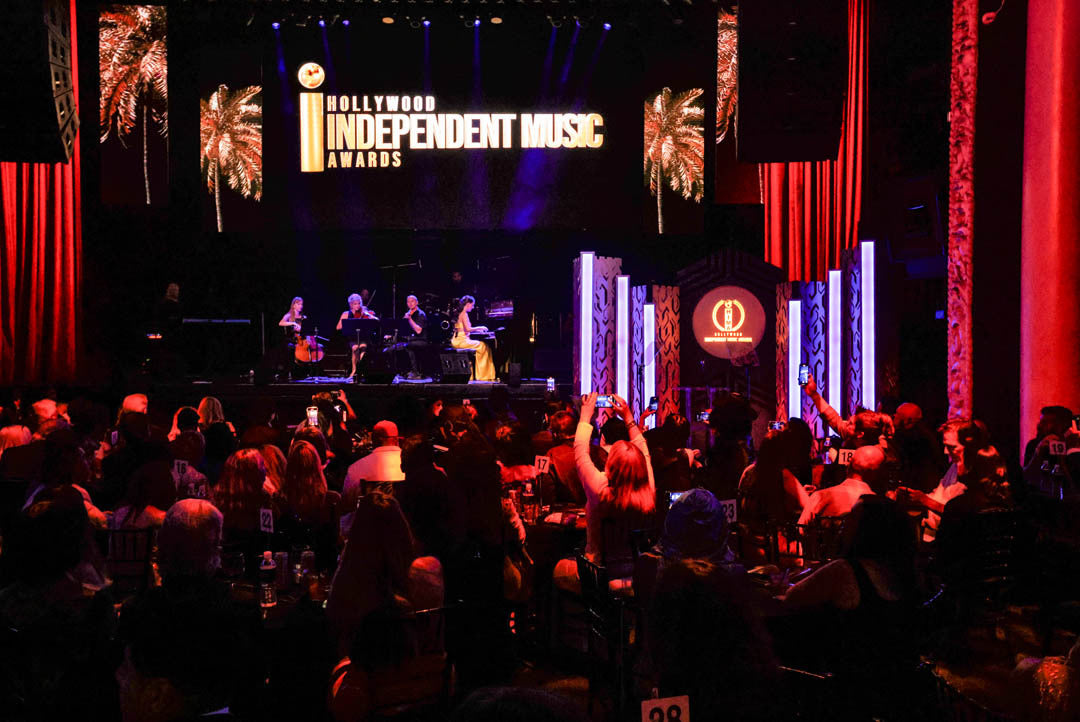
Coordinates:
(618, 500)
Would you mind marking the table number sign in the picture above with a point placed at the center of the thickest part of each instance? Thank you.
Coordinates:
(666, 709)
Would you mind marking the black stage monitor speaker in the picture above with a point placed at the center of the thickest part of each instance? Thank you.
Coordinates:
(792, 79)
(513, 372)
(455, 368)
(38, 121)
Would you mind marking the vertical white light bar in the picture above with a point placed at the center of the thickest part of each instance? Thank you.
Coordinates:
(622, 336)
(833, 389)
(586, 320)
(869, 337)
(648, 335)
(794, 358)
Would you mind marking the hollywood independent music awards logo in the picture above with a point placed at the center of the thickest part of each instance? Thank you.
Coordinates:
(311, 75)
(728, 329)
(346, 131)
(729, 322)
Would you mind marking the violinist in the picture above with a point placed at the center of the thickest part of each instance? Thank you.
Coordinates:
(357, 309)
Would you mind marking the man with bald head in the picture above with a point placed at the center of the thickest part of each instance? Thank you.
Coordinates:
(907, 416)
(839, 500)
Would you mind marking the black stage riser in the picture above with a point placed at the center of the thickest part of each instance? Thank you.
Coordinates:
(247, 403)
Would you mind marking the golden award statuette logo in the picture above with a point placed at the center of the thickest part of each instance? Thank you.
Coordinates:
(729, 322)
(724, 314)
(311, 75)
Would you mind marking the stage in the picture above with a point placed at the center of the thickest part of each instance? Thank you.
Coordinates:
(248, 403)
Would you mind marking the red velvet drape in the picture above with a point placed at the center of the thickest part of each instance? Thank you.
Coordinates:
(812, 209)
(41, 264)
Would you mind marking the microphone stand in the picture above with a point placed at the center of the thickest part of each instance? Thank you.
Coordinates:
(394, 271)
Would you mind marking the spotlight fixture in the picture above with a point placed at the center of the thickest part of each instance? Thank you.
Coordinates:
(555, 22)
(388, 20)
(322, 23)
(496, 20)
(345, 22)
(427, 23)
(607, 26)
(476, 23)
(275, 25)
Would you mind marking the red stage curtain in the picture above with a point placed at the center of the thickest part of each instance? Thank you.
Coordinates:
(41, 265)
(812, 209)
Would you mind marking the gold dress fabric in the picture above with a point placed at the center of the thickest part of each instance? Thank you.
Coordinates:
(484, 370)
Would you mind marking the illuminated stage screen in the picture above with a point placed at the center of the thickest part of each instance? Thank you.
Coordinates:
(450, 127)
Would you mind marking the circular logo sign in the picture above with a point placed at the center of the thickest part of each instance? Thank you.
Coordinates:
(311, 75)
(729, 322)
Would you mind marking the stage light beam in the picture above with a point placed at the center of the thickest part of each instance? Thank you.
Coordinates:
(794, 358)
(869, 332)
(648, 331)
(586, 325)
(832, 389)
(275, 25)
(622, 336)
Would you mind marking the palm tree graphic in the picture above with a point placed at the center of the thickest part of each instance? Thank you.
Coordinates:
(674, 146)
(230, 134)
(727, 71)
(134, 73)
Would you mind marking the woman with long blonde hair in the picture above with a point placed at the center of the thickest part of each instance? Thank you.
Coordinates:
(210, 413)
(618, 500)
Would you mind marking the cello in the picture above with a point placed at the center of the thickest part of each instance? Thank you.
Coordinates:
(308, 350)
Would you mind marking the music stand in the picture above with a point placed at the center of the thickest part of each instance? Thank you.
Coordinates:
(360, 330)
(397, 329)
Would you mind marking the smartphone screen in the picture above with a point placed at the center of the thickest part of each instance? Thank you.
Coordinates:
(550, 384)
(313, 415)
(674, 496)
(654, 403)
(603, 401)
(804, 374)
(703, 416)
(776, 425)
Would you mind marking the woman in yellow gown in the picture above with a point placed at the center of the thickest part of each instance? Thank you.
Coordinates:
(484, 369)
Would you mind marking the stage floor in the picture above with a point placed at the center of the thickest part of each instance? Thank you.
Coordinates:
(251, 403)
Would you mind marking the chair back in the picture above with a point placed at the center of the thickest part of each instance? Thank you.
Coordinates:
(999, 558)
(129, 560)
(821, 539)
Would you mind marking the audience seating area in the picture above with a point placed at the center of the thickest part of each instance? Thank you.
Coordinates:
(421, 562)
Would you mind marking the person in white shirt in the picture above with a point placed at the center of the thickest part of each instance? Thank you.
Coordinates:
(956, 436)
(839, 500)
(381, 466)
